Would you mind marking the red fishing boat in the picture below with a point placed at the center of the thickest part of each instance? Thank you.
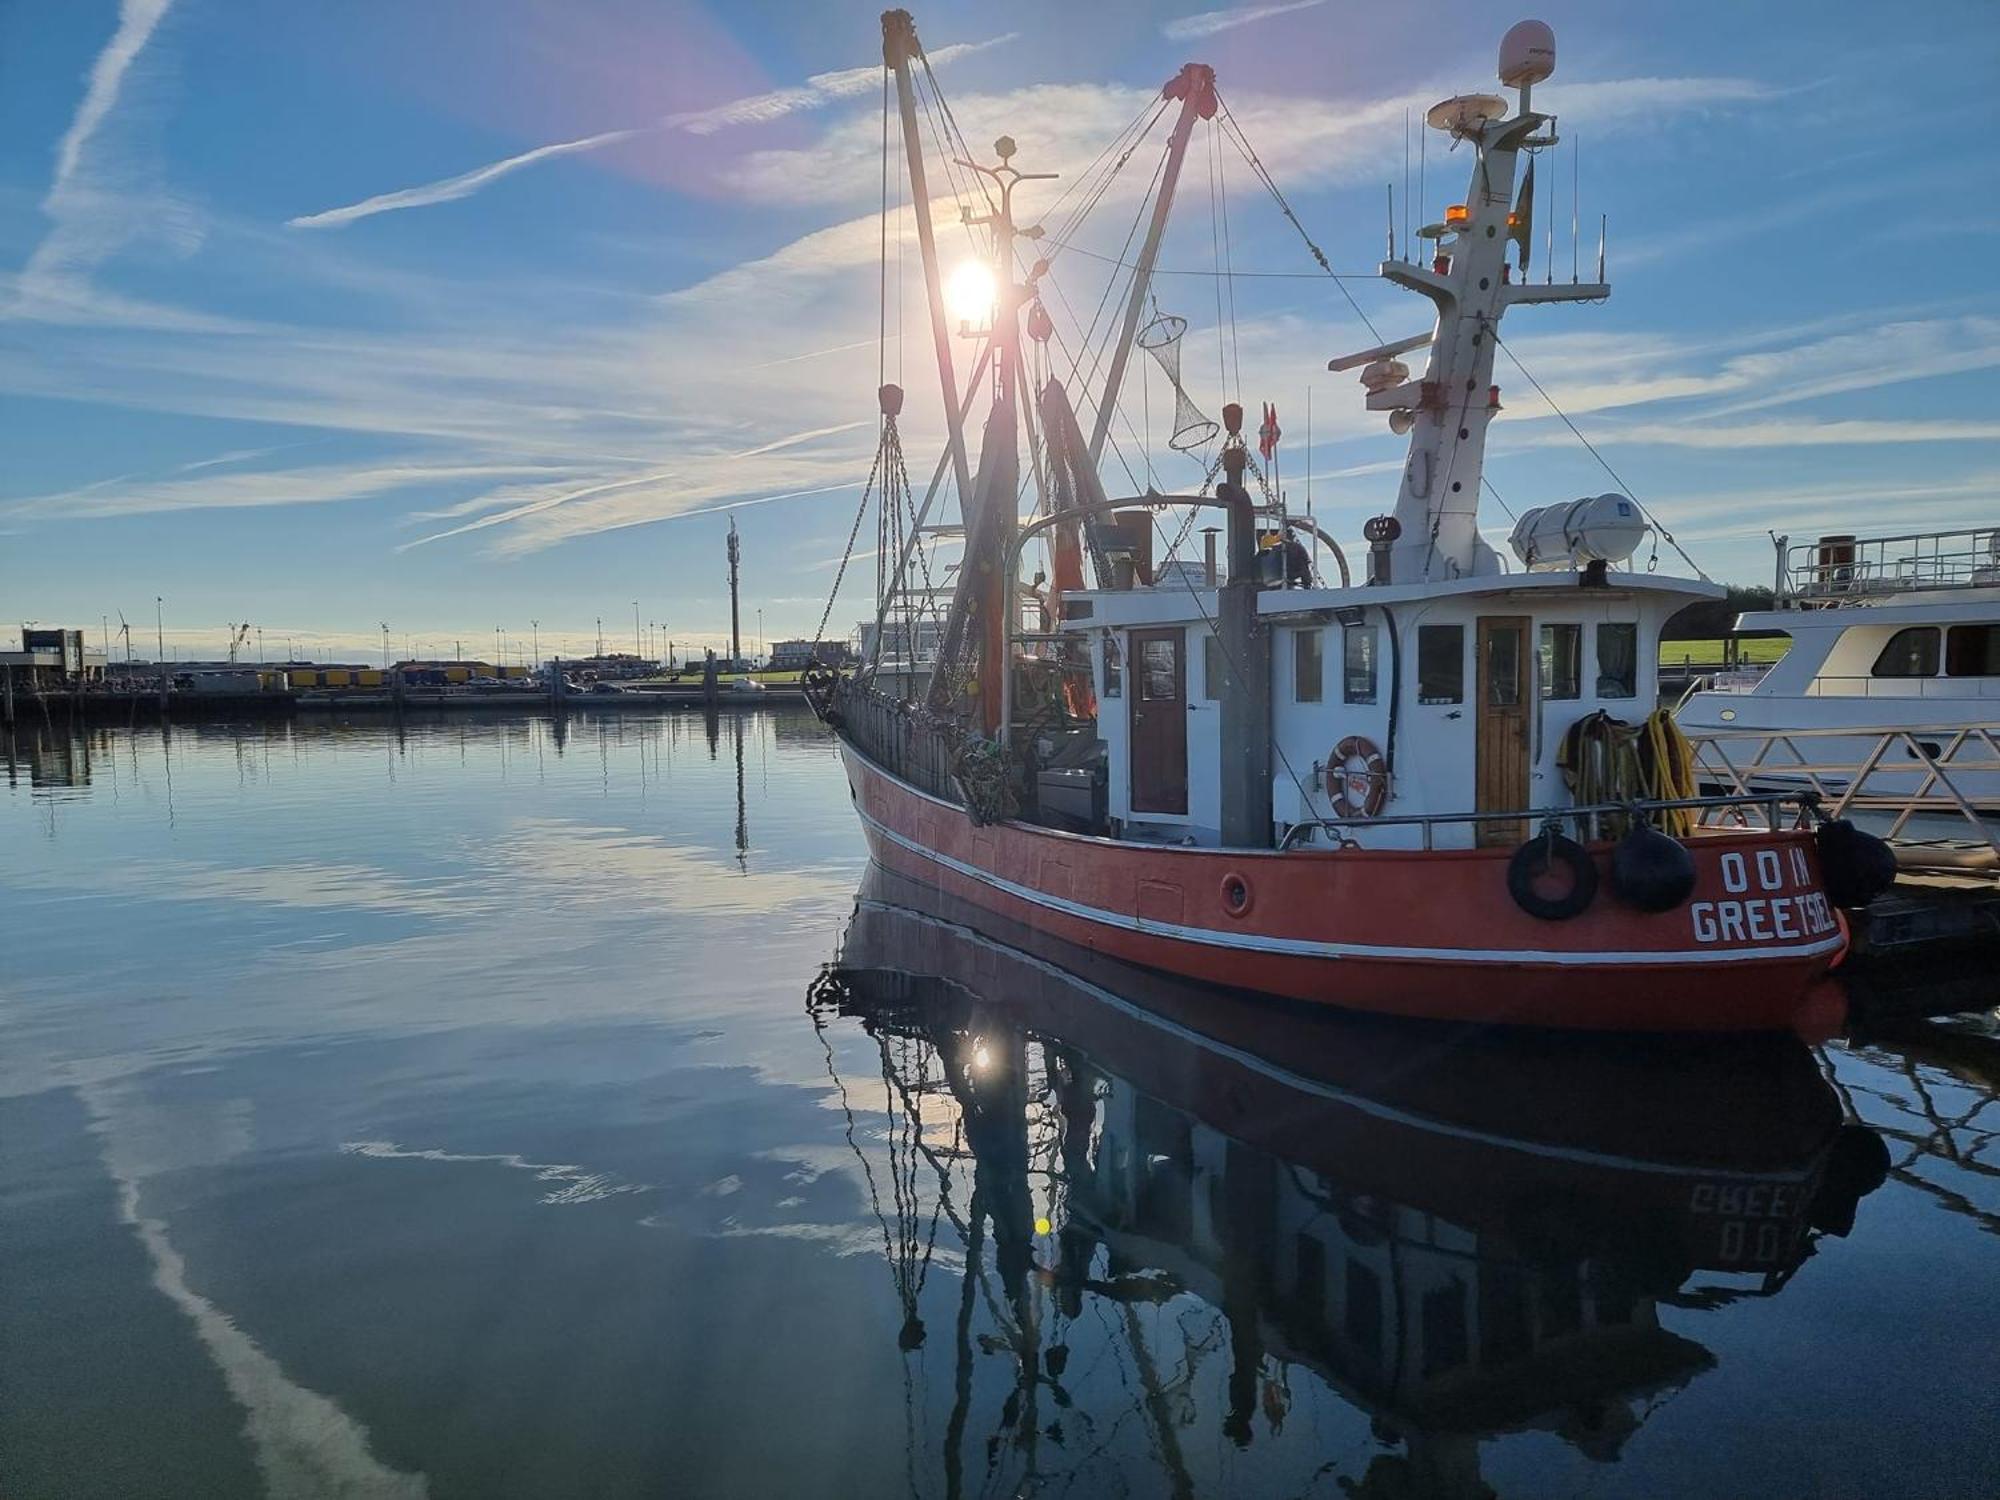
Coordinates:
(1431, 791)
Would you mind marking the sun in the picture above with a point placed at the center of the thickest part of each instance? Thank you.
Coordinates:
(969, 294)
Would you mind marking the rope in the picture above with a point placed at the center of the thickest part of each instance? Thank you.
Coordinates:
(1233, 275)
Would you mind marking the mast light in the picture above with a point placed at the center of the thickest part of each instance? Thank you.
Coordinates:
(1457, 216)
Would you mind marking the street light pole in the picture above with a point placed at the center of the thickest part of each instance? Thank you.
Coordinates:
(535, 644)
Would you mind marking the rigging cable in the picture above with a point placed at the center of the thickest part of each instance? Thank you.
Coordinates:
(1242, 144)
(1616, 479)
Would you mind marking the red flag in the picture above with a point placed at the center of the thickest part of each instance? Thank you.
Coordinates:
(1268, 434)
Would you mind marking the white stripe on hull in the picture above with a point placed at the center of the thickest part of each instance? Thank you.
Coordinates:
(1310, 948)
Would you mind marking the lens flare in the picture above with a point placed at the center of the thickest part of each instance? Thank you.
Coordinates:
(969, 294)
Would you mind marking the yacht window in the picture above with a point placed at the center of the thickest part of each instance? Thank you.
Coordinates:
(1912, 652)
(1211, 667)
(1308, 669)
(1972, 651)
(1357, 646)
(1562, 661)
(1114, 673)
(1618, 661)
(1440, 664)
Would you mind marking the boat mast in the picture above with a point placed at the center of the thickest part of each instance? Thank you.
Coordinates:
(1194, 86)
(899, 45)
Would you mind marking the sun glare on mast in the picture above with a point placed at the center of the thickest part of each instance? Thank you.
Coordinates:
(969, 294)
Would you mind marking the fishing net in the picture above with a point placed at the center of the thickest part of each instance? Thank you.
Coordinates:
(1161, 338)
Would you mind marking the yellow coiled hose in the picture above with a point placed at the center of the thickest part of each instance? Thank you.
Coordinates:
(1669, 761)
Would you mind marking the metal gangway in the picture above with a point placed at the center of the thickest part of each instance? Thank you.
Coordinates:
(1922, 788)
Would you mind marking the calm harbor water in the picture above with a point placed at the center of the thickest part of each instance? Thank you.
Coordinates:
(489, 1108)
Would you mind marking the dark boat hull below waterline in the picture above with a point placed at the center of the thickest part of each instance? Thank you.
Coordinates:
(1419, 933)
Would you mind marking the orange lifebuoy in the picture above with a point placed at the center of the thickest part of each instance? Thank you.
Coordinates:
(1357, 781)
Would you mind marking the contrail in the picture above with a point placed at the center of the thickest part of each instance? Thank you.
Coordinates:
(136, 20)
(818, 90)
(462, 186)
(1209, 22)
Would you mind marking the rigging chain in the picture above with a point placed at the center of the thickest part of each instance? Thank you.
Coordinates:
(889, 440)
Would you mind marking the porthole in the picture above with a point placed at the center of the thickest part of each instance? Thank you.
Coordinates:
(1236, 894)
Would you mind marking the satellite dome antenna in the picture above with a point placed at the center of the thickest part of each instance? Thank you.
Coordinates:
(1527, 56)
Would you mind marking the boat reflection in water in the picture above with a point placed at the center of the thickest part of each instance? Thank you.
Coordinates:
(1459, 1236)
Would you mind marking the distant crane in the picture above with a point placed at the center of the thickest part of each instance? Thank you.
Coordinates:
(237, 635)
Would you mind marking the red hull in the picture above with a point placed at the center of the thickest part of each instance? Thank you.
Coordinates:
(1430, 934)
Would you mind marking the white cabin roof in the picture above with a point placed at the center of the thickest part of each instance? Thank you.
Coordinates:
(1171, 604)
(1938, 609)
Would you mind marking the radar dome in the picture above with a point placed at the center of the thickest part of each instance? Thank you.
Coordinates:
(1527, 54)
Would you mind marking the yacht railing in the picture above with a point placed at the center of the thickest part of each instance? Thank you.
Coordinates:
(1860, 685)
(1896, 773)
(1844, 569)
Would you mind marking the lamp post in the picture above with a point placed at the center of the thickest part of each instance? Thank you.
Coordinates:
(535, 644)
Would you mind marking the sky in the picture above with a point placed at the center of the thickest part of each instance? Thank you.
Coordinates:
(467, 314)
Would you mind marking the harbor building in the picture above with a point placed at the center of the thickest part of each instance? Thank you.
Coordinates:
(51, 659)
(796, 656)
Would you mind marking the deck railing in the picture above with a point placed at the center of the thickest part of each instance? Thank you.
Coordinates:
(1769, 808)
(1895, 773)
(897, 736)
(1841, 569)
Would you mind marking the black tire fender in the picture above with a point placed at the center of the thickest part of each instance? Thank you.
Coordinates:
(1536, 858)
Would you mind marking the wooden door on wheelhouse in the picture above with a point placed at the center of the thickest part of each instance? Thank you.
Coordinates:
(1158, 696)
(1505, 684)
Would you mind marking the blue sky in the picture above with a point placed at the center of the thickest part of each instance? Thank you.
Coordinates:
(236, 370)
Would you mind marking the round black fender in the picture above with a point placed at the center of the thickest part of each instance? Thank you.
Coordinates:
(1856, 867)
(1542, 858)
(1650, 870)
(1857, 1164)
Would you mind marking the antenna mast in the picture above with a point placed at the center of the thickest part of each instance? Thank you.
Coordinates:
(735, 627)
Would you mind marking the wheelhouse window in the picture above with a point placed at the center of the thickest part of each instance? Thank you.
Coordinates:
(1211, 667)
(1618, 661)
(1114, 669)
(1357, 675)
(1440, 664)
(1972, 651)
(1308, 667)
(1911, 652)
(1562, 661)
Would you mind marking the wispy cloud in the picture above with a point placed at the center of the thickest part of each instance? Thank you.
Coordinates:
(658, 495)
(313, 486)
(815, 93)
(1209, 22)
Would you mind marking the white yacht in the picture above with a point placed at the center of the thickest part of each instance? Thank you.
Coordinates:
(1895, 633)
